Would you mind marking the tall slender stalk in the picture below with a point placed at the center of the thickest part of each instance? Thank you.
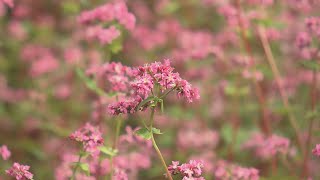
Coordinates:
(313, 100)
(265, 124)
(115, 143)
(156, 146)
(277, 76)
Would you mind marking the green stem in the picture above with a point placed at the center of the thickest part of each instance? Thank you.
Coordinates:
(313, 97)
(74, 171)
(156, 146)
(116, 139)
(115, 145)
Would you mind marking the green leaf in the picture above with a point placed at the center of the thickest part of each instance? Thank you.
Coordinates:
(144, 133)
(85, 168)
(116, 45)
(156, 131)
(142, 103)
(84, 154)
(108, 151)
(311, 65)
(90, 83)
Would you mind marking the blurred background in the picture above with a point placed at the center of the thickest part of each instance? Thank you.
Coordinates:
(255, 63)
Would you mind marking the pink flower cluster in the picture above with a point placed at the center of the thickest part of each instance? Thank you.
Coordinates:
(267, 147)
(120, 175)
(117, 75)
(304, 38)
(247, 63)
(145, 79)
(206, 138)
(189, 171)
(42, 59)
(224, 170)
(195, 45)
(4, 152)
(91, 138)
(107, 13)
(20, 172)
(162, 74)
(103, 35)
(316, 150)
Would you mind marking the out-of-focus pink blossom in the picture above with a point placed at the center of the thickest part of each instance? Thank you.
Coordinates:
(316, 150)
(4, 152)
(267, 146)
(109, 12)
(120, 175)
(205, 138)
(72, 55)
(104, 35)
(17, 30)
(8, 3)
(225, 170)
(63, 91)
(44, 64)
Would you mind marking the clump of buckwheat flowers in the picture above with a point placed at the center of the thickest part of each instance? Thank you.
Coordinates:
(20, 172)
(146, 87)
(151, 83)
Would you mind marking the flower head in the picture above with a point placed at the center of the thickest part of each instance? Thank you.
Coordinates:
(20, 172)
(147, 79)
(191, 170)
(91, 138)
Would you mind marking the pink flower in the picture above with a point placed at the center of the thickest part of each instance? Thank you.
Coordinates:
(206, 138)
(8, 3)
(109, 12)
(20, 172)
(316, 150)
(127, 106)
(225, 170)
(45, 64)
(120, 175)
(303, 40)
(90, 137)
(63, 91)
(116, 75)
(5, 153)
(191, 170)
(104, 35)
(72, 55)
(173, 169)
(162, 73)
(144, 78)
(268, 146)
(312, 24)
(245, 173)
